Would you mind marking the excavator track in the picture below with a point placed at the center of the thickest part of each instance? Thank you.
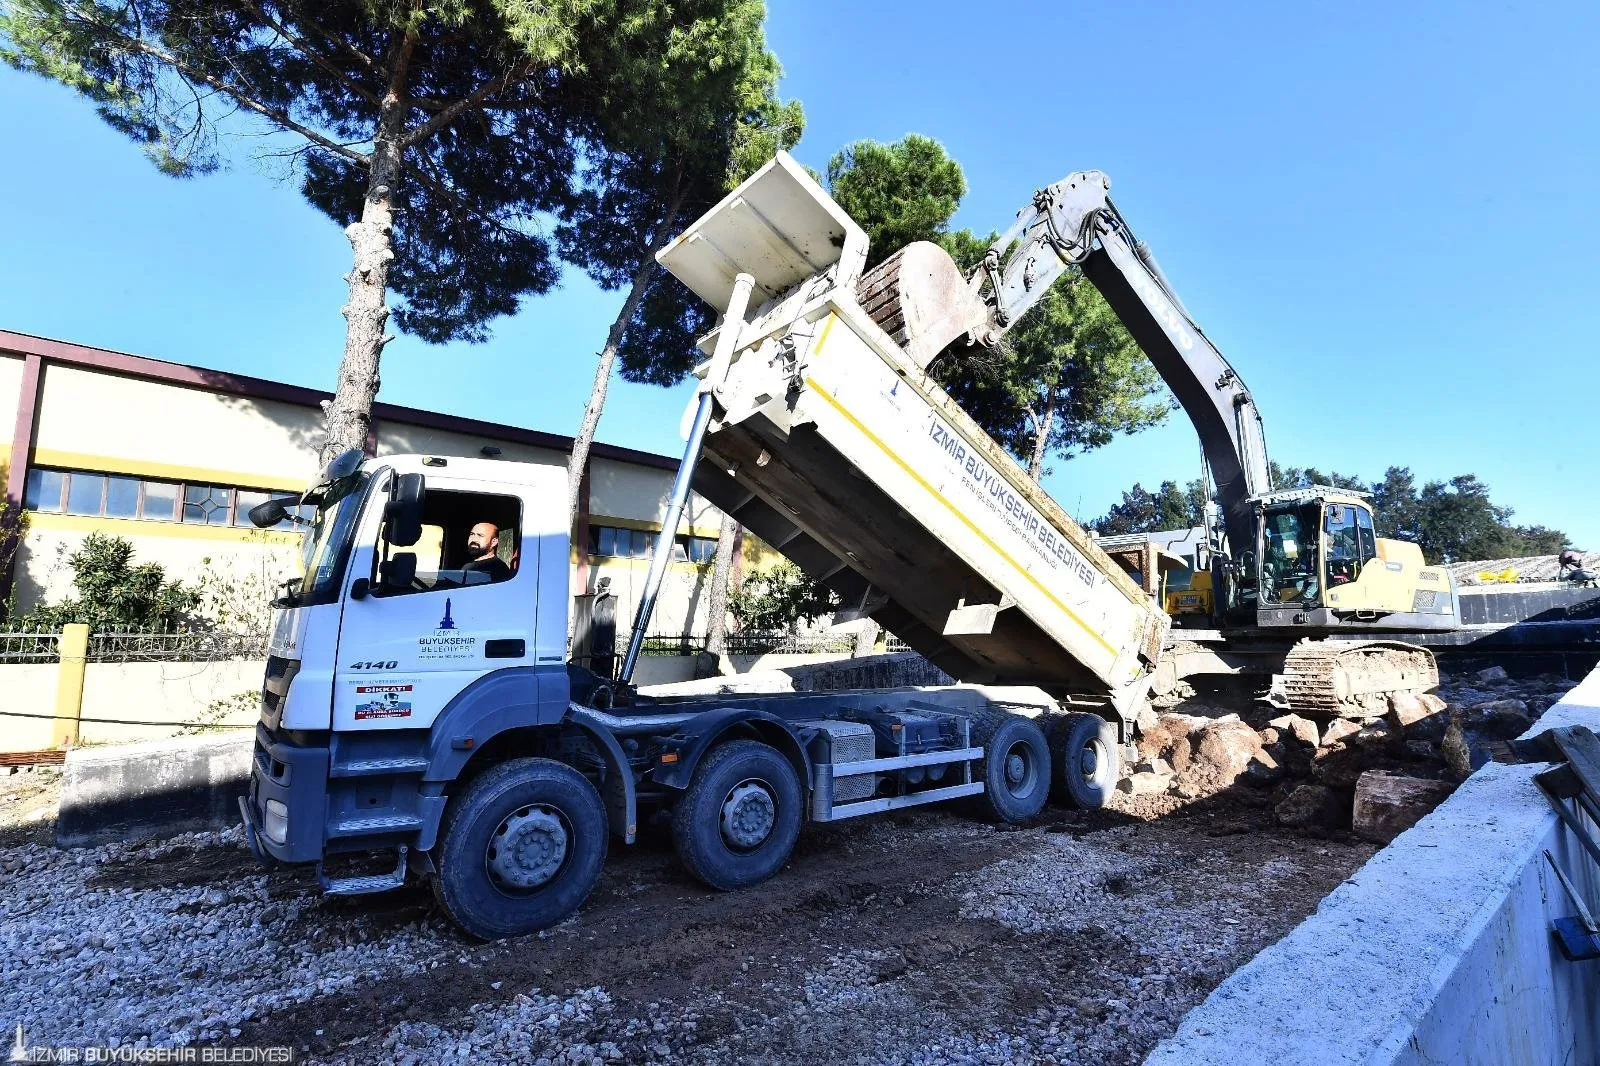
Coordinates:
(1352, 678)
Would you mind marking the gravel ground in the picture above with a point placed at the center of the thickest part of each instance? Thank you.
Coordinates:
(922, 937)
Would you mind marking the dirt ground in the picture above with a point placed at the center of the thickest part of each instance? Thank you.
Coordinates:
(921, 937)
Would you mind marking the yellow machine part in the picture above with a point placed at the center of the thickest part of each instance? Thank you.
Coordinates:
(1388, 582)
(1194, 600)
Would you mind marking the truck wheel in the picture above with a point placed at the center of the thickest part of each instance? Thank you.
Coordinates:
(520, 849)
(737, 822)
(1015, 766)
(1085, 760)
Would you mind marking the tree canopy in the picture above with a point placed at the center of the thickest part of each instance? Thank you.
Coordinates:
(1143, 511)
(439, 133)
(698, 117)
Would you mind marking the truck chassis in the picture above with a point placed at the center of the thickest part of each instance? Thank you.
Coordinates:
(511, 821)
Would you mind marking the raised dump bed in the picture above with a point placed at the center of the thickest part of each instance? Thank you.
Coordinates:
(836, 448)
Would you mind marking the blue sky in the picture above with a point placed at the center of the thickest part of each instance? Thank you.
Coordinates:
(1385, 215)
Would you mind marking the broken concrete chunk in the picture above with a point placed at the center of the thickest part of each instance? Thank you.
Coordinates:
(1493, 673)
(1313, 806)
(1337, 730)
(1406, 709)
(1386, 806)
(1147, 784)
(1302, 729)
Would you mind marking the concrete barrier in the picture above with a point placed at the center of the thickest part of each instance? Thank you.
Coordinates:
(153, 789)
(1438, 950)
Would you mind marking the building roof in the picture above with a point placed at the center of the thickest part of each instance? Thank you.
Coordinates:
(142, 366)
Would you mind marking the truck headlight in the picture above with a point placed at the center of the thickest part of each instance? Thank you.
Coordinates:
(275, 821)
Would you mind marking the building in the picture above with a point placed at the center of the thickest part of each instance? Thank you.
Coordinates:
(171, 457)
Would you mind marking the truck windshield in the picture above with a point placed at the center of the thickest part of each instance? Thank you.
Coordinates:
(328, 545)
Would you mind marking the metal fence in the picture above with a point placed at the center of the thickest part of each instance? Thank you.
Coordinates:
(30, 647)
(187, 646)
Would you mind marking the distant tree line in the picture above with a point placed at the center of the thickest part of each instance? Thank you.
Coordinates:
(1451, 520)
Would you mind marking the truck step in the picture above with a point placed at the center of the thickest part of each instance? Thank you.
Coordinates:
(372, 767)
(360, 827)
(365, 883)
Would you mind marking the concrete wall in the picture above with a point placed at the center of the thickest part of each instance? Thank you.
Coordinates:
(1437, 951)
(167, 692)
(30, 688)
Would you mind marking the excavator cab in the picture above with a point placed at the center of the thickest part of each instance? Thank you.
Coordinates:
(1321, 565)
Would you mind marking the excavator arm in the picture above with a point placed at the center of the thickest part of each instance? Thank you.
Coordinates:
(920, 298)
(1075, 222)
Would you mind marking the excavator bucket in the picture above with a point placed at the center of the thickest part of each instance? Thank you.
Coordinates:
(919, 297)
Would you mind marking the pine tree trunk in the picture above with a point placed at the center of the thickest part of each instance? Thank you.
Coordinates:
(721, 572)
(608, 356)
(1041, 438)
(349, 415)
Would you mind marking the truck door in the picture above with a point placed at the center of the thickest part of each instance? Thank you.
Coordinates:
(470, 609)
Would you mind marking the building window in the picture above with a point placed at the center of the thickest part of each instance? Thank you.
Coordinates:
(44, 490)
(210, 505)
(90, 493)
(614, 542)
(700, 550)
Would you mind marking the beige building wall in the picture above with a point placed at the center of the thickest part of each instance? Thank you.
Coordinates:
(98, 420)
(398, 438)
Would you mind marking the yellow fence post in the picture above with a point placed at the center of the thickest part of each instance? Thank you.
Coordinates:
(69, 684)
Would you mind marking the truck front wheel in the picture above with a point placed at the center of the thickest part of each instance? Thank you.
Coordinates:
(737, 822)
(520, 849)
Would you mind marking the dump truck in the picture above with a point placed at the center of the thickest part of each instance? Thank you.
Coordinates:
(420, 712)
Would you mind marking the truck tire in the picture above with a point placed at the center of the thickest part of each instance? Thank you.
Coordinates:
(1084, 755)
(520, 848)
(1015, 768)
(738, 820)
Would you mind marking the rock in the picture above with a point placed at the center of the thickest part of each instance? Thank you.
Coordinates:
(1156, 765)
(1406, 709)
(1145, 718)
(1312, 806)
(1386, 806)
(1147, 784)
(1337, 730)
(1456, 752)
(1492, 674)
(1425, 750)
(1501, 719)
(1302, 729)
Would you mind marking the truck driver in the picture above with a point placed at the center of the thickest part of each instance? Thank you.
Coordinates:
(483, 544)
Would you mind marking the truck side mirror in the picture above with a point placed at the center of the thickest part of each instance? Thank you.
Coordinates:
(269, 513)
(399, 571)
(403, 513)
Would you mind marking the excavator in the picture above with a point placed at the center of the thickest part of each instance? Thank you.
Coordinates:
(1300, 566)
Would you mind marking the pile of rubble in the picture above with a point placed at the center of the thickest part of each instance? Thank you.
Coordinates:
(1376, 775)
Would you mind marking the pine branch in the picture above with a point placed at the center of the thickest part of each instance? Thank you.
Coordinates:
(451, 112)
(315, 56)
(233, 92)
